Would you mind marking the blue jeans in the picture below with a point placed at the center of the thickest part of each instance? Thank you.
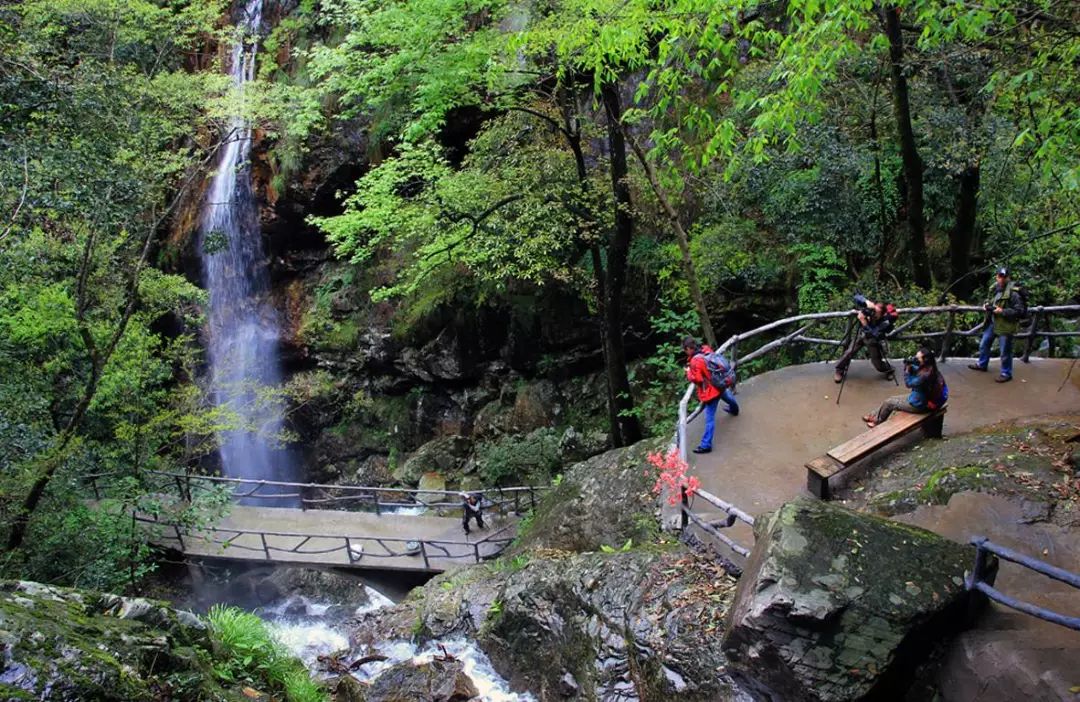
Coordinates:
(710, 415)
(1005, 341)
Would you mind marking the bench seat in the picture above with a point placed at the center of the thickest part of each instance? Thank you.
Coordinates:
(842, 457)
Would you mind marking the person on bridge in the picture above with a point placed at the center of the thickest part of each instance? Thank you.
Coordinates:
(713, 384)
(929, 392)
(1004, 308)
(472, 507)
(875, 322)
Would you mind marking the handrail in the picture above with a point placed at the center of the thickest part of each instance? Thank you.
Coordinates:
(982, 579)
(688, 516)
(519, 497)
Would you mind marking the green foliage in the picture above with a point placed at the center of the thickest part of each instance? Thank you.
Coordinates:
(252, 655)
(822, 273)
(532, 458)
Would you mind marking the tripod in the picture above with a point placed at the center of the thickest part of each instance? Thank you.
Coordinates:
(884, 342)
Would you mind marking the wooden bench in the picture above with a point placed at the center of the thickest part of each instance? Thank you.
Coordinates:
(839, 459)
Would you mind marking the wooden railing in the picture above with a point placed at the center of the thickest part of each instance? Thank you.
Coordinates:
(982, 578)
(713, 527)
(379, 500)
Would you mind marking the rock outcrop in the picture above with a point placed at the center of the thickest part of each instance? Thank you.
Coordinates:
(837, 605)
(434, 681)
(591, 604)
(68, 645)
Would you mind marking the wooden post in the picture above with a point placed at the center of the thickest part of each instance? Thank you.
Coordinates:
(179, 536)
(946, 342)
(735, 363)
(423, 554)
(378, 505)
(266, 547)
(684, 518)
(348, 550)
(1031, 334)
(476, 552)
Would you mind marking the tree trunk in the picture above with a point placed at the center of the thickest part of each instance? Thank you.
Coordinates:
(909, 151)
(963, 233)
(683, 240)
(572, 133)
(618, 254)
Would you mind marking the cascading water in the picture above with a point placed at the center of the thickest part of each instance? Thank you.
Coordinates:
(243, 334)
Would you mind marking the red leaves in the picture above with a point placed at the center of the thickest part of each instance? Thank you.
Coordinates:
(671, 474)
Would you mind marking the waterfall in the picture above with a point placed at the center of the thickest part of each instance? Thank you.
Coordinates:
(243, 325)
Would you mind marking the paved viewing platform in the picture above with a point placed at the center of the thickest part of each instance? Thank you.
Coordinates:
(789, 416)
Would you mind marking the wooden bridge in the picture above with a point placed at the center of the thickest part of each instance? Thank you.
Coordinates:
(333, 525)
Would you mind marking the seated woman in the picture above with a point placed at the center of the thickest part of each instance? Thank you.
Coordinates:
(928, 390)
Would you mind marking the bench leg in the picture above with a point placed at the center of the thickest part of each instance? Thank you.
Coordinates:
(932, 428)
(817, 485)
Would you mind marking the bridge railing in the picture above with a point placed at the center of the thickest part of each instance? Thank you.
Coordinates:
(982, 580)
(712, 527)
(353, 548)
(322, 496)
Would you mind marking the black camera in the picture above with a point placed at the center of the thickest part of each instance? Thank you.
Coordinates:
(911, 361)
(860, 302)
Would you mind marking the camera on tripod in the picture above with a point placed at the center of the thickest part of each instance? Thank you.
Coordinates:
(911, 361)
(861, 304)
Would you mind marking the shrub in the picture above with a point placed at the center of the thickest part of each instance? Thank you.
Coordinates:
(252, 655)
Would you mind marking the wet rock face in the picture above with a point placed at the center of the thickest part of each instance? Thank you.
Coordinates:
(639, 625)
(61, 644)
(435, 681)
(837, 605)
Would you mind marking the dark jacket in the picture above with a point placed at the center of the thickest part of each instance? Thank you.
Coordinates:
(1012, 307)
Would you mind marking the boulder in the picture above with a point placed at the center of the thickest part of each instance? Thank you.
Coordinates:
(446, 456)
(837, 605)
(432, 487)
(642, 624)
(435, 681)
(604, 501)
(578, 446)
(71, 645)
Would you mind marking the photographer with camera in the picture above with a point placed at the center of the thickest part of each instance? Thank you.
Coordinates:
(929, 392)
(1004, 308)
(875, 322)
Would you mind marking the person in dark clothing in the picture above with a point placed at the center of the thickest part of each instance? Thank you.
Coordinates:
(875, 322)
(697, 372)
(471, 508)
(1004, 308)
(928, 390)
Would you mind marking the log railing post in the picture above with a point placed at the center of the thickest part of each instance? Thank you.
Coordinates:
(946, 341)
(1033, 332)
(266, 546)
(684, 518)
(423, 554)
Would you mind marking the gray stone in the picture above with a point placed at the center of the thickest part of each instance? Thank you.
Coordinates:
(837, 605)
(446, 455)
(437, 681)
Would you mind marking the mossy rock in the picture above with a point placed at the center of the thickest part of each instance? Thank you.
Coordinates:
(839, 605)
(63, 644)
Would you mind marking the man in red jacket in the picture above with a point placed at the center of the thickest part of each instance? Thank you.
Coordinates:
(697, 372)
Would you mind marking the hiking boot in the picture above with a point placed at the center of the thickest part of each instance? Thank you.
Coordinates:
(838, 376)
(1003, 379)
(976, 366)
(732, 412)
(702, 450)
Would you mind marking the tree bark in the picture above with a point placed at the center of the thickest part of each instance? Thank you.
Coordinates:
(618, 255)
(572, 133)
(963, 232)
(683, 240)
(909, 151)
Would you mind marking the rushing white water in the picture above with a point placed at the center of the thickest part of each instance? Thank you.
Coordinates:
(243, 333)
(308, 636)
